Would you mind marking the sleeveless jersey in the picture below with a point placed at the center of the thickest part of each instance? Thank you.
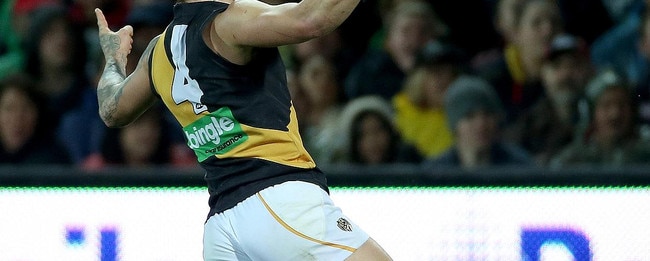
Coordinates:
(238, 119)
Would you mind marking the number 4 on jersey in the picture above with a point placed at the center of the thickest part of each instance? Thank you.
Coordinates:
(184, 87)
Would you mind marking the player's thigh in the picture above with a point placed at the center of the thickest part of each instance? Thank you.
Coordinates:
(218, 241)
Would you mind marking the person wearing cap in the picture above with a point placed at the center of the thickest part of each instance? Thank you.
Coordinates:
(610, 136)
(474, 113)
(550, 124)
(419, 106)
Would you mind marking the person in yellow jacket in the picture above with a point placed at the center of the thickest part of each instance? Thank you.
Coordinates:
(420, 116)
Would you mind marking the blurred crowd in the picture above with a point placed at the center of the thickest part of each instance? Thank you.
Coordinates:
(440, 84)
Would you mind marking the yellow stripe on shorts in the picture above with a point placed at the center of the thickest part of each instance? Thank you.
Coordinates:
(292, 230)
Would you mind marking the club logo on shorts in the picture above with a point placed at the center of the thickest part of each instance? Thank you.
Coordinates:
(344, 225)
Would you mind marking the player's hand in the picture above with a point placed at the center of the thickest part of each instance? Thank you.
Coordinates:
(115, 45)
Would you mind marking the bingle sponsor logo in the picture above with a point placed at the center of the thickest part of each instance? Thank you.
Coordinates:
(211, 132)
(215, 133)
(229, 142)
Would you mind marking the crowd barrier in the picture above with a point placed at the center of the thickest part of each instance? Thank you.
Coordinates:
(339, 175)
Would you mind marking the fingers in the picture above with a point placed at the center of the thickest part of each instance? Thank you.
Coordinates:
(102, 24)
(126, 33)
(128, 29)
(101, 20)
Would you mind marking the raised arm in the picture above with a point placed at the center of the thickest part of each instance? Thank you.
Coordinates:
(257, 24)
(122, 98)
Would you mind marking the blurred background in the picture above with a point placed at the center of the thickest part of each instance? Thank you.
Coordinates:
(465, 97)
(471, 84)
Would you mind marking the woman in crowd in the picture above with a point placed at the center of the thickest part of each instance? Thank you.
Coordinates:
(24, 139)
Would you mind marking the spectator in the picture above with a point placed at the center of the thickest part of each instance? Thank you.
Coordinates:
(381, 72)
(142, 143)
(642, 62)
(611, 136)
(369, 136)
(148, 20)
(11, 53)
(23, 137)
(23, 12)
(505, 21)
(585, 19)
(623, 46)
(317, 78)
(627, 48)
(384, 10)
(551, 123)
(505, 26)
(81, 13)
(420, 115)
(299, 99)
(474, 111)
(13, 28)
(56, 60)
(80, 129)
(515, 74)
(331, 46)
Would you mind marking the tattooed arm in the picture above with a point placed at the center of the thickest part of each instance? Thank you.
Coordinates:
(122, 98)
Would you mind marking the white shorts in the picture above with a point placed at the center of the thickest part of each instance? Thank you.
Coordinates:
(290, 221)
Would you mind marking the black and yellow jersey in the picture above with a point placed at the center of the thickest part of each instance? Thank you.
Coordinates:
(238, 119)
